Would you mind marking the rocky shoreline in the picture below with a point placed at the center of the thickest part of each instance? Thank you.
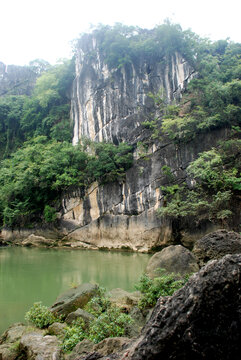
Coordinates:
(201, 320)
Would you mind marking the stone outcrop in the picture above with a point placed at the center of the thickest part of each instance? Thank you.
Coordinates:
(35, 346)
(124, 214)
(174, 259)
(79, 314)
(87, 350)
(16, 80)
(73, 299)
(217, 244)
(124, 299)
(202, 320)
(38, 241)
(110, 104)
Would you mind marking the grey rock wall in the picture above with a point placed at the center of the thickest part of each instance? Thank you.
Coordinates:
(111, 104)
(124, 214)
(16, 80)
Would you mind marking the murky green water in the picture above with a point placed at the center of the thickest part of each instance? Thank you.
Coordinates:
(29, 275)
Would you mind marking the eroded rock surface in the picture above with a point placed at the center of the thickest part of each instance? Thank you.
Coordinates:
(38, 347)
(124, 299)
(216, 245)
(200, 321)
(38, 241)
(79, 314)
(73, 299)
(174, 259)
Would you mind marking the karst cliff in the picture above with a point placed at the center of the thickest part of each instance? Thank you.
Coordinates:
(110, 105)
(117, 95)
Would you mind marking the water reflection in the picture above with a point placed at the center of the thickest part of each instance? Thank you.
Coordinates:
(29, 275)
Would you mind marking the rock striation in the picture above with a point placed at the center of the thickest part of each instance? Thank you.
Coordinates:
(110, 104)
(16, 80)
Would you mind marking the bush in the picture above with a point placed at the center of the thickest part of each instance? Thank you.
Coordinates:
(73, 335)
(49, 214)
(40, 316)
(152, 289)
(109, 321)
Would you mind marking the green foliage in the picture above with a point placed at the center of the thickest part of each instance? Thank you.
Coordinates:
(98, 304)
(216, 180)
(49, 214)
(213, 99)
(46, 112)
(109, 321)
(11, 111)
(40, 316)
(110, 162)
(73, 335)
(163, 285)
(34, 177)
(121, 45)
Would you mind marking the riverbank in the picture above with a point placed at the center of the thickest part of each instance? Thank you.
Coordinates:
(41, 274)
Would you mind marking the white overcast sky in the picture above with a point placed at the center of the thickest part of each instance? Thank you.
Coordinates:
(31, 29)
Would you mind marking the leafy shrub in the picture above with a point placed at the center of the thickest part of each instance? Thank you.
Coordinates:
(49, 214)
(109, 321)
(73, 335)
(98, 304)
(40, 315)
(152, 289)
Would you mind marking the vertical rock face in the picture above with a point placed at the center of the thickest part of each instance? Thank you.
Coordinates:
(16, 80)
(110, 104)
(124, 214)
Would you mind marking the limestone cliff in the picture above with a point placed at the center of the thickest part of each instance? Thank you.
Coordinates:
(16, 80)
(110, 105)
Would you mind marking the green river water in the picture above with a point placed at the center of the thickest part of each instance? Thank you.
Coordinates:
(28, 275)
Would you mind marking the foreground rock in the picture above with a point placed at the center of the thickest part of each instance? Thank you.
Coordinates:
(9, 342)
(124, 299)
(73, 299)
(79, 314)
(88, 350)
(174, 259)
(35, 346)
(216, 245)
(200, 321)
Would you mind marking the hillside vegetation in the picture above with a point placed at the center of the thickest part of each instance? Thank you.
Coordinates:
(39, 163)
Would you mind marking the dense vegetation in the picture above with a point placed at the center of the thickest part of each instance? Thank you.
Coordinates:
(122, 44)
(212, 101)
(163, 284)
(34, 177)
(108, 320)
(46, 112)
(39, 164)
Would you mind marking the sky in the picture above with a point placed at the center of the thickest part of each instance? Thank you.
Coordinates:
(44, 29)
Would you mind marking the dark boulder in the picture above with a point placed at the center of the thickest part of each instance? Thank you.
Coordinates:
(216, 245)
(202, 320)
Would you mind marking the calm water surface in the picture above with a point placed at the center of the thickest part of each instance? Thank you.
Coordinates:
(29, 275)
